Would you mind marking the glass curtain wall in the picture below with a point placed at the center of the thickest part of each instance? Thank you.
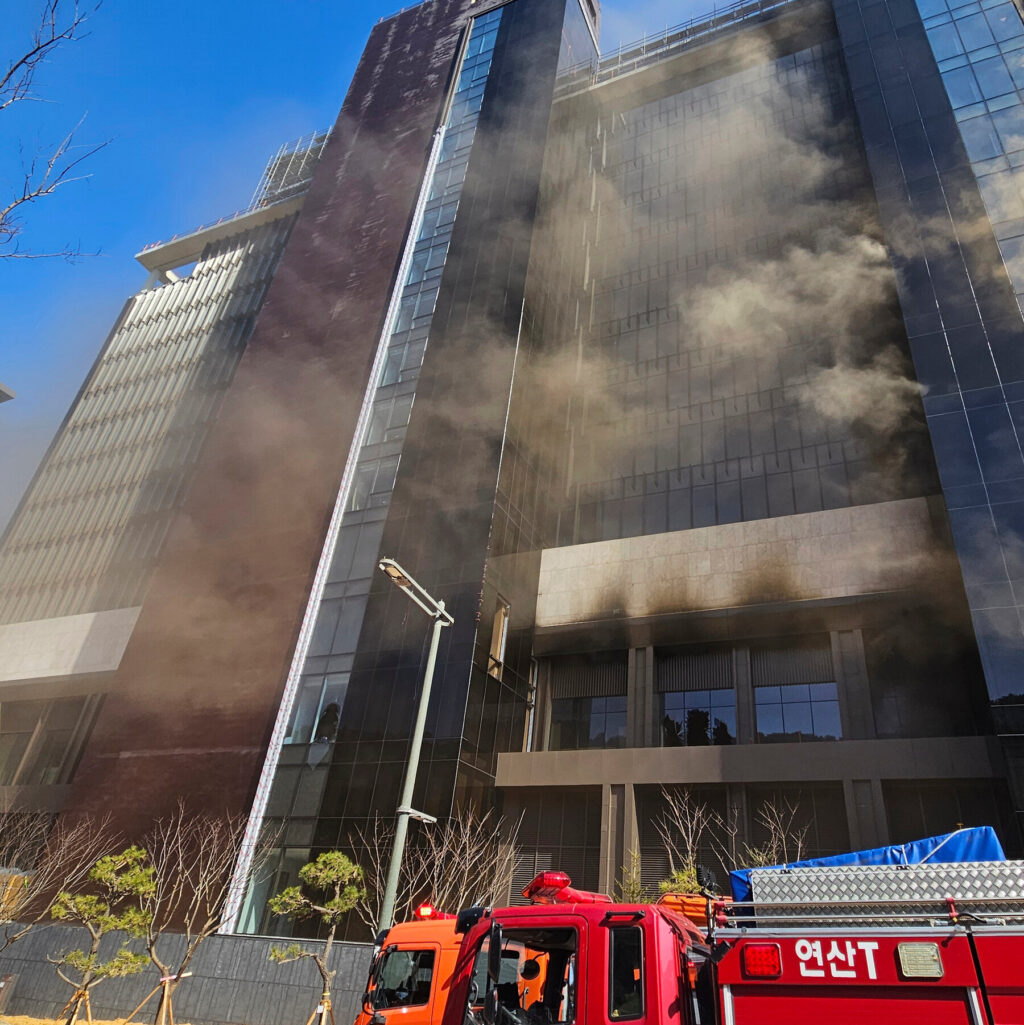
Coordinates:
(317, 710)
(980, 51)
(698, 414)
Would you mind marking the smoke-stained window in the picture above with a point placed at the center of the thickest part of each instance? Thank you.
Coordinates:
(580, 723)
(697, 696)
(40, 740)
(735, 290)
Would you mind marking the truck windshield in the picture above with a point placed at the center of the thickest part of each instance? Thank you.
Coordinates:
(402, 978)
(537, 985)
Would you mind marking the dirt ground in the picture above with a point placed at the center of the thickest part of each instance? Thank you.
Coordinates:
(23, 1019)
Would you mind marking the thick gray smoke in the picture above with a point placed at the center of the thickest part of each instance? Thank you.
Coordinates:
(770, 165)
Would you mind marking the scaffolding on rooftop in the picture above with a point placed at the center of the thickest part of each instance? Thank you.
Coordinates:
(290, 170)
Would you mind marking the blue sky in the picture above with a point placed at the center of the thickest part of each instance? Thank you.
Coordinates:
(194, 97)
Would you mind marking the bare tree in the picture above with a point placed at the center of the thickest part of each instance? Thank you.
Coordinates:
(785, 839)
(59, 22)
(469, 859)
(39, 859)
(192, 857)
(683, 825)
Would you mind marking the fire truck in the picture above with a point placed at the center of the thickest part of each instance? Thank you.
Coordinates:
(918, 945)
(411, 970)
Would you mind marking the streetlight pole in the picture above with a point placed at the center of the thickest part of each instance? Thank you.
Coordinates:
(442, 618)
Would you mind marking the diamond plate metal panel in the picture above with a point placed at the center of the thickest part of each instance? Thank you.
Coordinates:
(984, 888)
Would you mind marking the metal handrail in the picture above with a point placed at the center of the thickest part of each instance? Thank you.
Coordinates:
(649, 50)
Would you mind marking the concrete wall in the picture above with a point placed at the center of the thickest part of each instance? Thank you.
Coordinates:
(832, 554)
(91, 642)
(233, 981)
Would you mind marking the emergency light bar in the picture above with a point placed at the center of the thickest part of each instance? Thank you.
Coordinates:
(427, 912)
(555, 888)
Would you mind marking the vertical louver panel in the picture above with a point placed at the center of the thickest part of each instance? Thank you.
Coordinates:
(802, 660)
(694, 669)
(97, 513)
(578, 676)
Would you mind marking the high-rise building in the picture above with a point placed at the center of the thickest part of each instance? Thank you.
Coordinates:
(686, 376)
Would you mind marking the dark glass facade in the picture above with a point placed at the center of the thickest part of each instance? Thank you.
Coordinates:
(937, 160)
(424, 486)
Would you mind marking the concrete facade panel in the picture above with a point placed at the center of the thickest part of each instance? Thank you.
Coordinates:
(92, 642)
(890, 546)
(919, 759)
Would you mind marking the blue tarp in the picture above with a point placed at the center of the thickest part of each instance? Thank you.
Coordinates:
(979, 843)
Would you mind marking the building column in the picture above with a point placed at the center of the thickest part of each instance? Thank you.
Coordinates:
(640, 698)
(612, 821)
(865, 813)
(746, 720)
(542, 707)
(852, 684)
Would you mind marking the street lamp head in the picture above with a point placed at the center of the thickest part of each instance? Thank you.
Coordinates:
(394, 571)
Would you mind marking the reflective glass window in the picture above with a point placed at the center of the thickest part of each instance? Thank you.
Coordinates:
(1009, 123)
(698, 718)
(945, 42)
(974, 32)
(993, 77)
(980, 138)
(1002, 195)
(581, 723)
(1004, 21)
(962, 87)
(797, 712)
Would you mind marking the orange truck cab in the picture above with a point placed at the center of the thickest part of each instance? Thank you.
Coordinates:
(411, 973)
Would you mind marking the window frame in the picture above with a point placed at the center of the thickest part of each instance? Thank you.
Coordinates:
(613, 1015)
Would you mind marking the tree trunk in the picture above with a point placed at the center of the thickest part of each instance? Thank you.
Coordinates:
(164, 1005)
(87, 977)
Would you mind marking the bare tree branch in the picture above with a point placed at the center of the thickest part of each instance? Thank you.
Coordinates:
(39, 859)
(470, 859)
(785, 841)
(684, 825)
(192, 857)
(60, 21)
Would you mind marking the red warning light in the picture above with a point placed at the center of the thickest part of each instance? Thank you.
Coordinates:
(546, 887)
(428, 913)
(555, 888)
(762, 961)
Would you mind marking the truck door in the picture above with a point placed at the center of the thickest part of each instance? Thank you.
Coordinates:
(402, 984)
(534, 976)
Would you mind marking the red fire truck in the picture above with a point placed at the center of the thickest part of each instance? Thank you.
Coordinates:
(792, 961)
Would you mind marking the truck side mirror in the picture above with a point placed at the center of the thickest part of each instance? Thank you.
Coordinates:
(490, 1008)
